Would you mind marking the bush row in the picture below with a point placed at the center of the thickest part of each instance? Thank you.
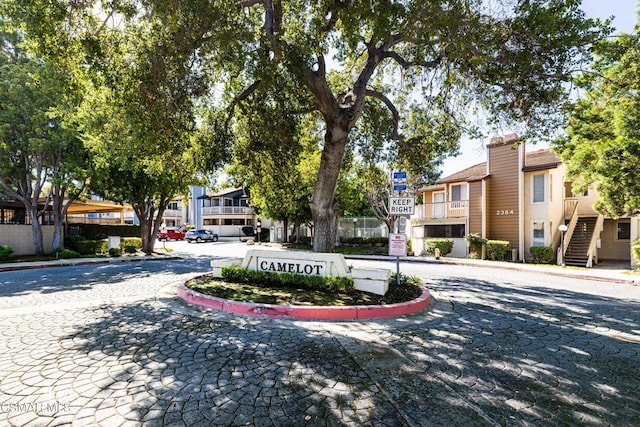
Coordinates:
(369, 241)
(261, 278)
(91, 247)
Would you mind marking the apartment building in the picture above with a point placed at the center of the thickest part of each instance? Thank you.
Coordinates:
(521, 197)
(224, 212)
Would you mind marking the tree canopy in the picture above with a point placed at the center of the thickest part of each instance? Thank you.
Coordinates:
(402, 80)
(396, 81)
(602, 144)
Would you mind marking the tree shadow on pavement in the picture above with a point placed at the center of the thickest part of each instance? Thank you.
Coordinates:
(166, 368)
(535, 356)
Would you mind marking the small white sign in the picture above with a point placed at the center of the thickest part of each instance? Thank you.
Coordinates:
(397, 244)
(402, 205)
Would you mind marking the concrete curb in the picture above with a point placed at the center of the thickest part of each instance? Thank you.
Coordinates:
(80, 261)
(357, 312)
(586, 275)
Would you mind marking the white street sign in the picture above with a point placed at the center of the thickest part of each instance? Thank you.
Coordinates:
(402, 205)
(397, 244)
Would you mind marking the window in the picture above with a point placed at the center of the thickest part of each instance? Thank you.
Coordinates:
(210, 221)
(452, 230)
(457, 192)
(538, 189)
(623, 231)
(173, 206)
(538, 233)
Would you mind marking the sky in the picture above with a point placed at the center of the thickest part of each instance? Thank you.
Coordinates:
(625, 17)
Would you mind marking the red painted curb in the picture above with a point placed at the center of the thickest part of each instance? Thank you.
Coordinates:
(353, 312)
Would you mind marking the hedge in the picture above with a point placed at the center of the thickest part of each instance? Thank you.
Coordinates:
(497, 249)
(64, 253)
(261, 278)
(5, 252)
(102, 231)
(635, 250)
(91, 247)
(541, 254)
(129, 243)
(445, 246)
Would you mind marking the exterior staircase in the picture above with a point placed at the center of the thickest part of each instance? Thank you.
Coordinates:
(577, 251)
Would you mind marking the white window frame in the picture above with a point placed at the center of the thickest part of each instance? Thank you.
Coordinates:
(544, 188)
(534, 239)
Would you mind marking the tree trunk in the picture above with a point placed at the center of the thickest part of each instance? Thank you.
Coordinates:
(285, 234)
(58, 210)
(323, 203)
(36, 230)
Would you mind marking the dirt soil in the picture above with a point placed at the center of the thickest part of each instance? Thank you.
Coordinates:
(291, 296)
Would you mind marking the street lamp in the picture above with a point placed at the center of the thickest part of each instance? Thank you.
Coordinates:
(258, 229)
(562, 229)
(355, 222)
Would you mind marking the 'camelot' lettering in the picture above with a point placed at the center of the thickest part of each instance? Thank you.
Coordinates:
(291, 266)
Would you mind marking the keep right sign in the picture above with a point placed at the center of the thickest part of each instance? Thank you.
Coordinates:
(402, 205)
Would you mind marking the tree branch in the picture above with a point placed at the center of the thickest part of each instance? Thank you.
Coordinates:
(392, 109)
(238, 99)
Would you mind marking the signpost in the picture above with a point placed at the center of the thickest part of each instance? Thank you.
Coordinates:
(399, 206)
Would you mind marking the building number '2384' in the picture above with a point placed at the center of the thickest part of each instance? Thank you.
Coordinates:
(504, 212)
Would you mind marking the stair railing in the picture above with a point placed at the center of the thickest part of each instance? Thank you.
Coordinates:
(571, 207)
(593, 245)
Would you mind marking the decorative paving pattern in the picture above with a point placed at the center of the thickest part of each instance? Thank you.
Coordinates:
(112, 346)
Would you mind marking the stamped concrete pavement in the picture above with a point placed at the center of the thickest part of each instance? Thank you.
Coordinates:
(110, 345)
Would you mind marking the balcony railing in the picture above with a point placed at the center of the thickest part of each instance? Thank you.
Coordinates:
(455, 209)
(172, 213)
(227, 210)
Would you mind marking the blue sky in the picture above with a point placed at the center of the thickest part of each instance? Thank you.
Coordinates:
(625, 18)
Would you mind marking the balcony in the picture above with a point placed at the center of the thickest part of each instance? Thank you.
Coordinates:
(227, 210)
(441, 210)
(172, 213)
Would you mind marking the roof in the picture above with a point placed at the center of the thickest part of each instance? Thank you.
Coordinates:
(96, 206)
(541, 159)
(471, 173)
(536, 160)
(227, 192)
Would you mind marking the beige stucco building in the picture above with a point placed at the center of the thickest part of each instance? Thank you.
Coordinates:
(521, 197)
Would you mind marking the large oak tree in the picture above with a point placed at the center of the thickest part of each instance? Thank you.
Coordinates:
(423, 66)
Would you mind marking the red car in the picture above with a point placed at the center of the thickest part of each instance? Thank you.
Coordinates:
(168, 235)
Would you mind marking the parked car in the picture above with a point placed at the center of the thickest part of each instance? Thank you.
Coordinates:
(170, 234)
(201, 236)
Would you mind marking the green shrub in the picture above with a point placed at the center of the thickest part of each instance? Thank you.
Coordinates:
(405, 279)
(136, 242)
(101, 231)
(635, 250)
(91, 247)
(65, 253)
(71, 242)
(541, 254)
(445, 246)
(114, 252)
(497, 249)
(261, 278)
(475, 243)
(130, 249)
(5, 252)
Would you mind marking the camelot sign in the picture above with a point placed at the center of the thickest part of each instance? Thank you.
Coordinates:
(279, 265)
